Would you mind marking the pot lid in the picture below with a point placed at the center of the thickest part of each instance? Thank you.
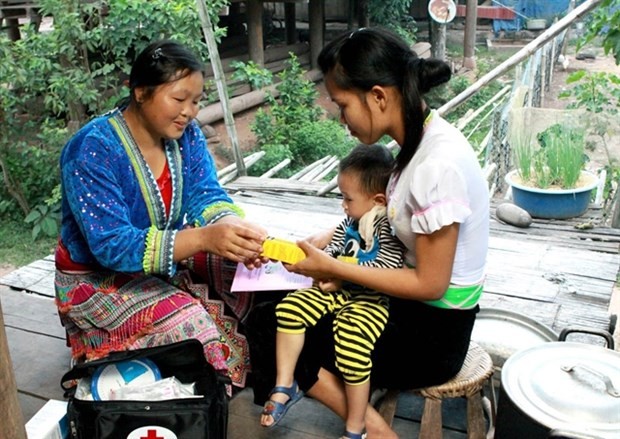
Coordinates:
(562, 384)
(502, 333)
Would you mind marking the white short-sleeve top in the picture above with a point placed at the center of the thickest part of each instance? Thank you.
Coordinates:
(443, 184)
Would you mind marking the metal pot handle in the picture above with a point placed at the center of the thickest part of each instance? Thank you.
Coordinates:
(606, 335)
(609, 385)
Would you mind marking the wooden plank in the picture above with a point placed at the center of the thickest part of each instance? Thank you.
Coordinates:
(285, 201)
(287, 225)
(311, 420)
(37, 277)
(568, 233)
(30, 404)
(572, 272)
(41, 361)
(24, 277)
(543, 312)
(248, 183)
(31, 312)
(308, 419)
(13, 420)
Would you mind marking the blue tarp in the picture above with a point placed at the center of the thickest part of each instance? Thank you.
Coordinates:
(528, 9)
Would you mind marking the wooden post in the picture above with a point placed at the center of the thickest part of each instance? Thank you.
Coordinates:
(363, 19)
(10, 410)
(220, 82)
(255, 31)
(289, 23)
(438, 49)
(351, 17)
(316, 20)
(471, 17)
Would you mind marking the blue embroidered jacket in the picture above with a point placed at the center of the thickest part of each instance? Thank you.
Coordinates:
(113, 214)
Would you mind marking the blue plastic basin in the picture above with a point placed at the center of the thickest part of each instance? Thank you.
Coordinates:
(552, 203)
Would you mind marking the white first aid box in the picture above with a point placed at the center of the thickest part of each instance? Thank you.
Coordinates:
(50, 422)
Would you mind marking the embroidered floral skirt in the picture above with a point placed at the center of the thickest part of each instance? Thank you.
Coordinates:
(106, 311)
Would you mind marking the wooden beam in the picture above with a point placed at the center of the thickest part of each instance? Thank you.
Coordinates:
(255, 31)
(290, 23)
(316, 22)
(214, 112)
(469, 54)
(10, 411)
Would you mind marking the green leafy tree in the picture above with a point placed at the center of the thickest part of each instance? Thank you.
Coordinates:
(394, 14)
(52, 82)
(604, 22)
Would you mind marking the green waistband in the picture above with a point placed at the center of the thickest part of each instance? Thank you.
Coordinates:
(459, 297)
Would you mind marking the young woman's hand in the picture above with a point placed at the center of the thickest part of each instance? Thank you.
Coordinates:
(316, 264)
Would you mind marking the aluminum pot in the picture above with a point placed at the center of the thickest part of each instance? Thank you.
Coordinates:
(503, 332)
(561, 389)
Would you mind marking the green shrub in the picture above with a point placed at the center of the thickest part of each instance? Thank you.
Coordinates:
(252, 73)
(596, 92)
(315, 140)
(557, 162)
(296, 104)
(292, 126)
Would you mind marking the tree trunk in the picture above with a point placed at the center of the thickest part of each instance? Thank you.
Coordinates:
(13, 188)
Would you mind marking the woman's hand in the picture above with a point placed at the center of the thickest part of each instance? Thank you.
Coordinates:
(233, 238)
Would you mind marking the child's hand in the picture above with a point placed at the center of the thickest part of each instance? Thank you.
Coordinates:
(257, 262)
(321, 239)
(329, 286)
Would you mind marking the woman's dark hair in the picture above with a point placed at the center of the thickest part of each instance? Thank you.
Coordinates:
(372, 163)
(160, 62)
(368, 57)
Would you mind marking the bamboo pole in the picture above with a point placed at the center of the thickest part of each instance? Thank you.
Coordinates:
(526, 51)
(220, 82)
(273, 171)
(462, 123)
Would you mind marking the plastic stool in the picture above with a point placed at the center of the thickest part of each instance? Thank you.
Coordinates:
(468, 383)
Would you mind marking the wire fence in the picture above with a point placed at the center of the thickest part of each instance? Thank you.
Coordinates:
(533, 79)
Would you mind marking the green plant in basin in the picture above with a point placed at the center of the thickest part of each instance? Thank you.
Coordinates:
(556, 162)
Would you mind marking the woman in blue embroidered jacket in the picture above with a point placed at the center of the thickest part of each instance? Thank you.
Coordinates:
(141, 206)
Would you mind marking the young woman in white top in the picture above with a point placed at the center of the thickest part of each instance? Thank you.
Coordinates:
(438, 206)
